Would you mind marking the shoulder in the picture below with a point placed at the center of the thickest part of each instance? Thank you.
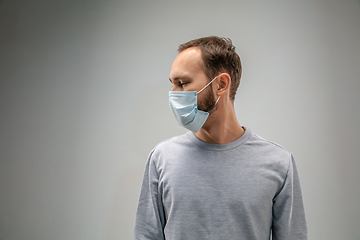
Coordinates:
(265, 145)
(169, 147)
(270, 152)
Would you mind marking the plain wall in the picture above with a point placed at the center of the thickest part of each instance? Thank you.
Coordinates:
(84, 98)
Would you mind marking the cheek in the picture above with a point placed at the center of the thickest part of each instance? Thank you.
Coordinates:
(188, 87)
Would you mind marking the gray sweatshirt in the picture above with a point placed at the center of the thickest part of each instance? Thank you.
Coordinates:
(246, 189)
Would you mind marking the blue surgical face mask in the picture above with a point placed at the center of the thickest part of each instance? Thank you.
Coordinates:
(183, 104)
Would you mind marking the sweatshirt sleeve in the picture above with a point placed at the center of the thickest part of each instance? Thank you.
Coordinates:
(150, 220)
(288, 209)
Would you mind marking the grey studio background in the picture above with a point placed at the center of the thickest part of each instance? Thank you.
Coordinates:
(84, 98)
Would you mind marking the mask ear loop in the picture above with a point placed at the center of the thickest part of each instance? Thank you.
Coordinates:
(208, 85)
(217, 101)
(214, 104)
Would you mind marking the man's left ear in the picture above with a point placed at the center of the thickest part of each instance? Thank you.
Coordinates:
(224, 81)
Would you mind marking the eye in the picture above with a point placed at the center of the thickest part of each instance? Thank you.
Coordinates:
(181, 84)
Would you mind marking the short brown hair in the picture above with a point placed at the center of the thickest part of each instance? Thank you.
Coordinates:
(218, 55)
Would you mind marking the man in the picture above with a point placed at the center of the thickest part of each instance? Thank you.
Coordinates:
(219, 180)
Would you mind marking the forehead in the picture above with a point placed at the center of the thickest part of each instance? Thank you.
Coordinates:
(187, 63)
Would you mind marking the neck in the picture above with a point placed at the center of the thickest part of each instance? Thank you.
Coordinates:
(221, 126)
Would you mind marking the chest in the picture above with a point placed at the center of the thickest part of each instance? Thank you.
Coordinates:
(215, 183)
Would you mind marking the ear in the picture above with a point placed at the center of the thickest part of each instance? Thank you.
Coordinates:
(224, 81)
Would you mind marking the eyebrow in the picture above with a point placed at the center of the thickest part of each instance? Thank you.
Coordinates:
(180, 78)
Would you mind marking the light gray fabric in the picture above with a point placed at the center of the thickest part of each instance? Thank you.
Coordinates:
(241, 190)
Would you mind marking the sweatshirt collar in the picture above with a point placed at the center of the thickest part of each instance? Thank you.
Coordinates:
(220, 147)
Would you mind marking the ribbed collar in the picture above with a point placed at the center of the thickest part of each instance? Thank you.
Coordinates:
(220, 147)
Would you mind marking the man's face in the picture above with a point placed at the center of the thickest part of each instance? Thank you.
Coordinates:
(187, 74)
